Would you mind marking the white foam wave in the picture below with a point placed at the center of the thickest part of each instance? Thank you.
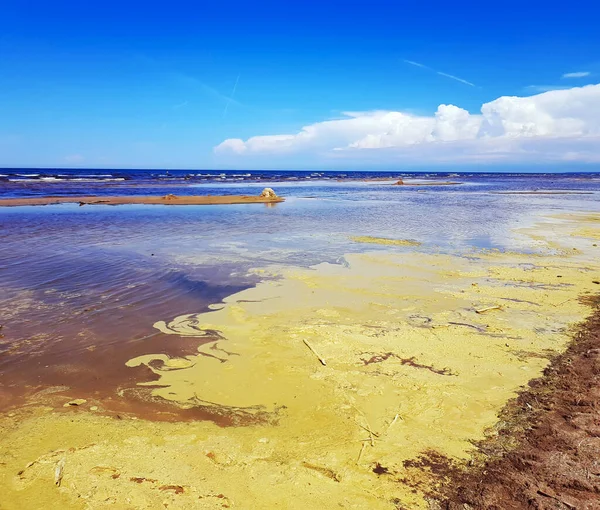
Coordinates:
(61, 179)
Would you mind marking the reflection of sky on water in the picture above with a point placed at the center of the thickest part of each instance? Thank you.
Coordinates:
(299, 231)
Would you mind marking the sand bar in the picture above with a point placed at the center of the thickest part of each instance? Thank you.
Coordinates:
(428, 183)
(541, 192)
(148, 200)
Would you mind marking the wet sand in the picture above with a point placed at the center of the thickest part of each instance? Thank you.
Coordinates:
(148, 200)
(56, 346)
(546, 450)
(422, 351)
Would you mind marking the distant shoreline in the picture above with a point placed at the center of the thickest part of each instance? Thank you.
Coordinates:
(541, 192)
(146, 200)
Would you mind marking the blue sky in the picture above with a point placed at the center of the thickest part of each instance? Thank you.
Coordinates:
(137, 84)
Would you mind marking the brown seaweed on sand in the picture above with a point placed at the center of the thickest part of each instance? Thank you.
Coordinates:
(240, 416)
(411, 362)
(329, 473)
(544, 451)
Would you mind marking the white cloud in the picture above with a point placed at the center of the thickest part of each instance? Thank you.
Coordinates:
(581, 74)
(555, 125)
(546, 88)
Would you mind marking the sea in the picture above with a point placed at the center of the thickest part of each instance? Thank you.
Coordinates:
(81, 286)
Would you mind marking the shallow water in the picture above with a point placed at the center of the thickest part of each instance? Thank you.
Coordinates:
(196, 319)
(80, 287)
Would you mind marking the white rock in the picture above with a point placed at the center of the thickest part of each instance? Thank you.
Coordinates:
(268, 193)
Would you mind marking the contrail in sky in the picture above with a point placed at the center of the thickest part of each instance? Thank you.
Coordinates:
(180, 105)
(231, 97)
(451, 76)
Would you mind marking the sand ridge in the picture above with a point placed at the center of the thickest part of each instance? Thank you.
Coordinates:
(148, 200)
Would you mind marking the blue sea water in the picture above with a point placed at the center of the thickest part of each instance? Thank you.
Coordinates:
(73, 278)
(322, 210)
(15, 182)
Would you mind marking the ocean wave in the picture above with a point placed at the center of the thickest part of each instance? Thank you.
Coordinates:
(52, 179)
(79, 179)
(94, 175)
(99, 180)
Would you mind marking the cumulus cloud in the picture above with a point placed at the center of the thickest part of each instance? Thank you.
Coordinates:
(581, 74)
(559, 125)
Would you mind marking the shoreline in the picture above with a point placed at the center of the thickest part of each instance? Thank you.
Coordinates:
(541, 192)
(142, 200)
(428, 183)
(546, 448)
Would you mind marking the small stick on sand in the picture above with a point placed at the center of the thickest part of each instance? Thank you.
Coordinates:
(393, 421)
(478, 328)
(323, 362)
(568, 505)
(371, 433)
(562, 302)
(362, 449)
(368, 429)
(483, 310)
(58, 472)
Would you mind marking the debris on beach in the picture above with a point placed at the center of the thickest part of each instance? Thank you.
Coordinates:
(405, 358)
(411, 362)
(488, 308)
(323, 362)
(59, 471)
(327, 472)
(75, 403)
(268, 193)
(544, 452)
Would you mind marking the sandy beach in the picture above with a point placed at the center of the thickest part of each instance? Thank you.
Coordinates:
(547, 447)
(392, 302)
(330, 382)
